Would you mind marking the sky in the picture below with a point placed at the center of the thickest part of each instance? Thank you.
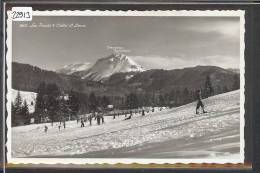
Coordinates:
(153, 42)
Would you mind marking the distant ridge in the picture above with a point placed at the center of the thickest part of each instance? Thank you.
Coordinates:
(27, 78)
(72, 68)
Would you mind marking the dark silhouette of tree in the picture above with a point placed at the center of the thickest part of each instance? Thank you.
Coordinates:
(172, 98)
(13, 111)
(178, 97)
(192, 96)
(64, 110)
(18, 101)
(41, 103)
(185, 95)
(236, 84)
(52, 103)
(17, 110)
(73, 103)
(166, 99)
(131, 101)
(162, 100)
(25, 113)
(104, 102)
(147, 99)
(93, 102)
(225, 89)
(209, 90)
(218, 90)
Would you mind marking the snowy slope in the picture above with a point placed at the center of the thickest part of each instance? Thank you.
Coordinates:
(72, 68)
(112, 64)
(171, 133)
(30, 98)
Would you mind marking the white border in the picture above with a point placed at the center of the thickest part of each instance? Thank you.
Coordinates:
(206, 13)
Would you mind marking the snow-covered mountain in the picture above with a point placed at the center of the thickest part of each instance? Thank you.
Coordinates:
(105, 67)
(72, 68)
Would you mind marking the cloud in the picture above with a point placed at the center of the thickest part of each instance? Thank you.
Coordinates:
(167, 63)
(118, 49)
(225, 28)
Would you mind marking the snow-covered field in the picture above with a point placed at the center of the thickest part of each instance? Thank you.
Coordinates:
(171, 133)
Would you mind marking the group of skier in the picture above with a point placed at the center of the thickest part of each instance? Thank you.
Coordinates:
(99, 116)
(59, 126)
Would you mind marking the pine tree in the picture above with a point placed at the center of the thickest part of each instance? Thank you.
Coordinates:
(93, 102)
(236, 84)
(172, 98)
(225, 89)
(185, 95)
(131, 101)
(147, 99)
(208, 87)
(178, 98)
(18, 101)
(153, 99)
(73, 103)
(17, 110)
(41, 103)
(161, 100)
(52, 104)
(64, 110)
(25, 113)
(218, 90)
(13, 114)
(104, 101)
(192, 96)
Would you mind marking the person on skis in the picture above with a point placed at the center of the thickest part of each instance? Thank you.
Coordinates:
(199, 103)
(45, 129)
(90, 118)
(82, 123)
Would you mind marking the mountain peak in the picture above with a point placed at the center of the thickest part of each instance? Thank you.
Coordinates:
(107, 66)
(116, 57)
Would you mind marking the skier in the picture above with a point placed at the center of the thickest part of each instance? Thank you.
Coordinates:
(199, 103)
(59, 127)
(128, 118)
(98, 118)
(90, 118)
(102, 118)
(82, 123)
(143, 112)
(45, 129)
(64, 124)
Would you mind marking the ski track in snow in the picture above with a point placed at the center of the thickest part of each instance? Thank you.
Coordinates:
(171, 133)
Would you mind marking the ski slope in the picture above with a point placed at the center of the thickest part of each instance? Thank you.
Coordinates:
(171, 133)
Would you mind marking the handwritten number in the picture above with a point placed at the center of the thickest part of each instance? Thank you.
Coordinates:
(21, 14)
(27, 15)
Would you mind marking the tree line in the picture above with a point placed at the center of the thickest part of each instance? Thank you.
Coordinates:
(53, 104)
